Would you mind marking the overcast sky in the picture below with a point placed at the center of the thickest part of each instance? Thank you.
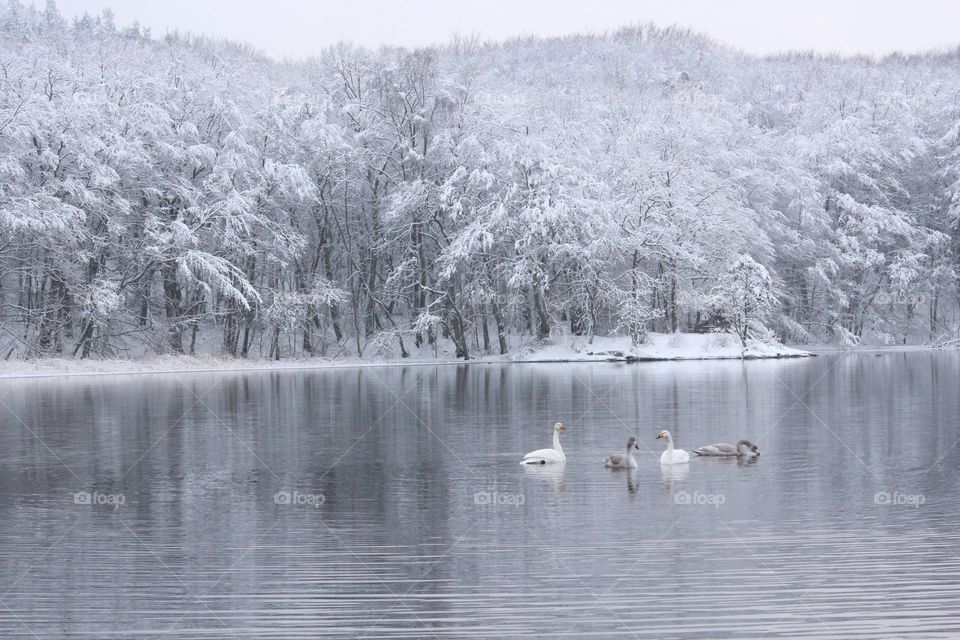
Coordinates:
(303, 27)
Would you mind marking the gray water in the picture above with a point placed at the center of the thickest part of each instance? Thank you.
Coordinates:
(389, 502)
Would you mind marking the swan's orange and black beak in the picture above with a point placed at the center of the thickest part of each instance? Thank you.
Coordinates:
(562, 426)
(659, 435)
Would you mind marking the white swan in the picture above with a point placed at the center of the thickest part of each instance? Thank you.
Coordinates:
(543, 456)
(743, 448)
(671, 455)
(623, 460)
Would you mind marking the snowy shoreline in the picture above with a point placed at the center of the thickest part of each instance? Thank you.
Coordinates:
(56, 368)
(661, 348)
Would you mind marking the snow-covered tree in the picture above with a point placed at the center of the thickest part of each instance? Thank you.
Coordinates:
(743, 299)
(180, 195)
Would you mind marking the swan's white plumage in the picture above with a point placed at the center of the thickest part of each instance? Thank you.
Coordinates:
(547, 456)
(543, 456)
(677, 456)
(671, 455)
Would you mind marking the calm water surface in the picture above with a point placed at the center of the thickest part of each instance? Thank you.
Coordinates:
(388, 502)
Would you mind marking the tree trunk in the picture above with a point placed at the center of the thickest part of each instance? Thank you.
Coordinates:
(674, 324)
(543, 321)
(501, 328)
(334, 307)
(934, 321)
(85, 340)
(486, 334)
(275, 344)
(457, 327)
(172, 297)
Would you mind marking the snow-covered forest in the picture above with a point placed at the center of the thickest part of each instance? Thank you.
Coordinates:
(177, 195)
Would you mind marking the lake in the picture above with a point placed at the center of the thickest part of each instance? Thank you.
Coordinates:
(388, 502)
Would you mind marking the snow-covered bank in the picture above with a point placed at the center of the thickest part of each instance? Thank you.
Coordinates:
(659, 346)
(681, 346)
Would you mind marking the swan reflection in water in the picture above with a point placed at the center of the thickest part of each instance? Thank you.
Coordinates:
(631, 483)
(552, 473)
(673, 473)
